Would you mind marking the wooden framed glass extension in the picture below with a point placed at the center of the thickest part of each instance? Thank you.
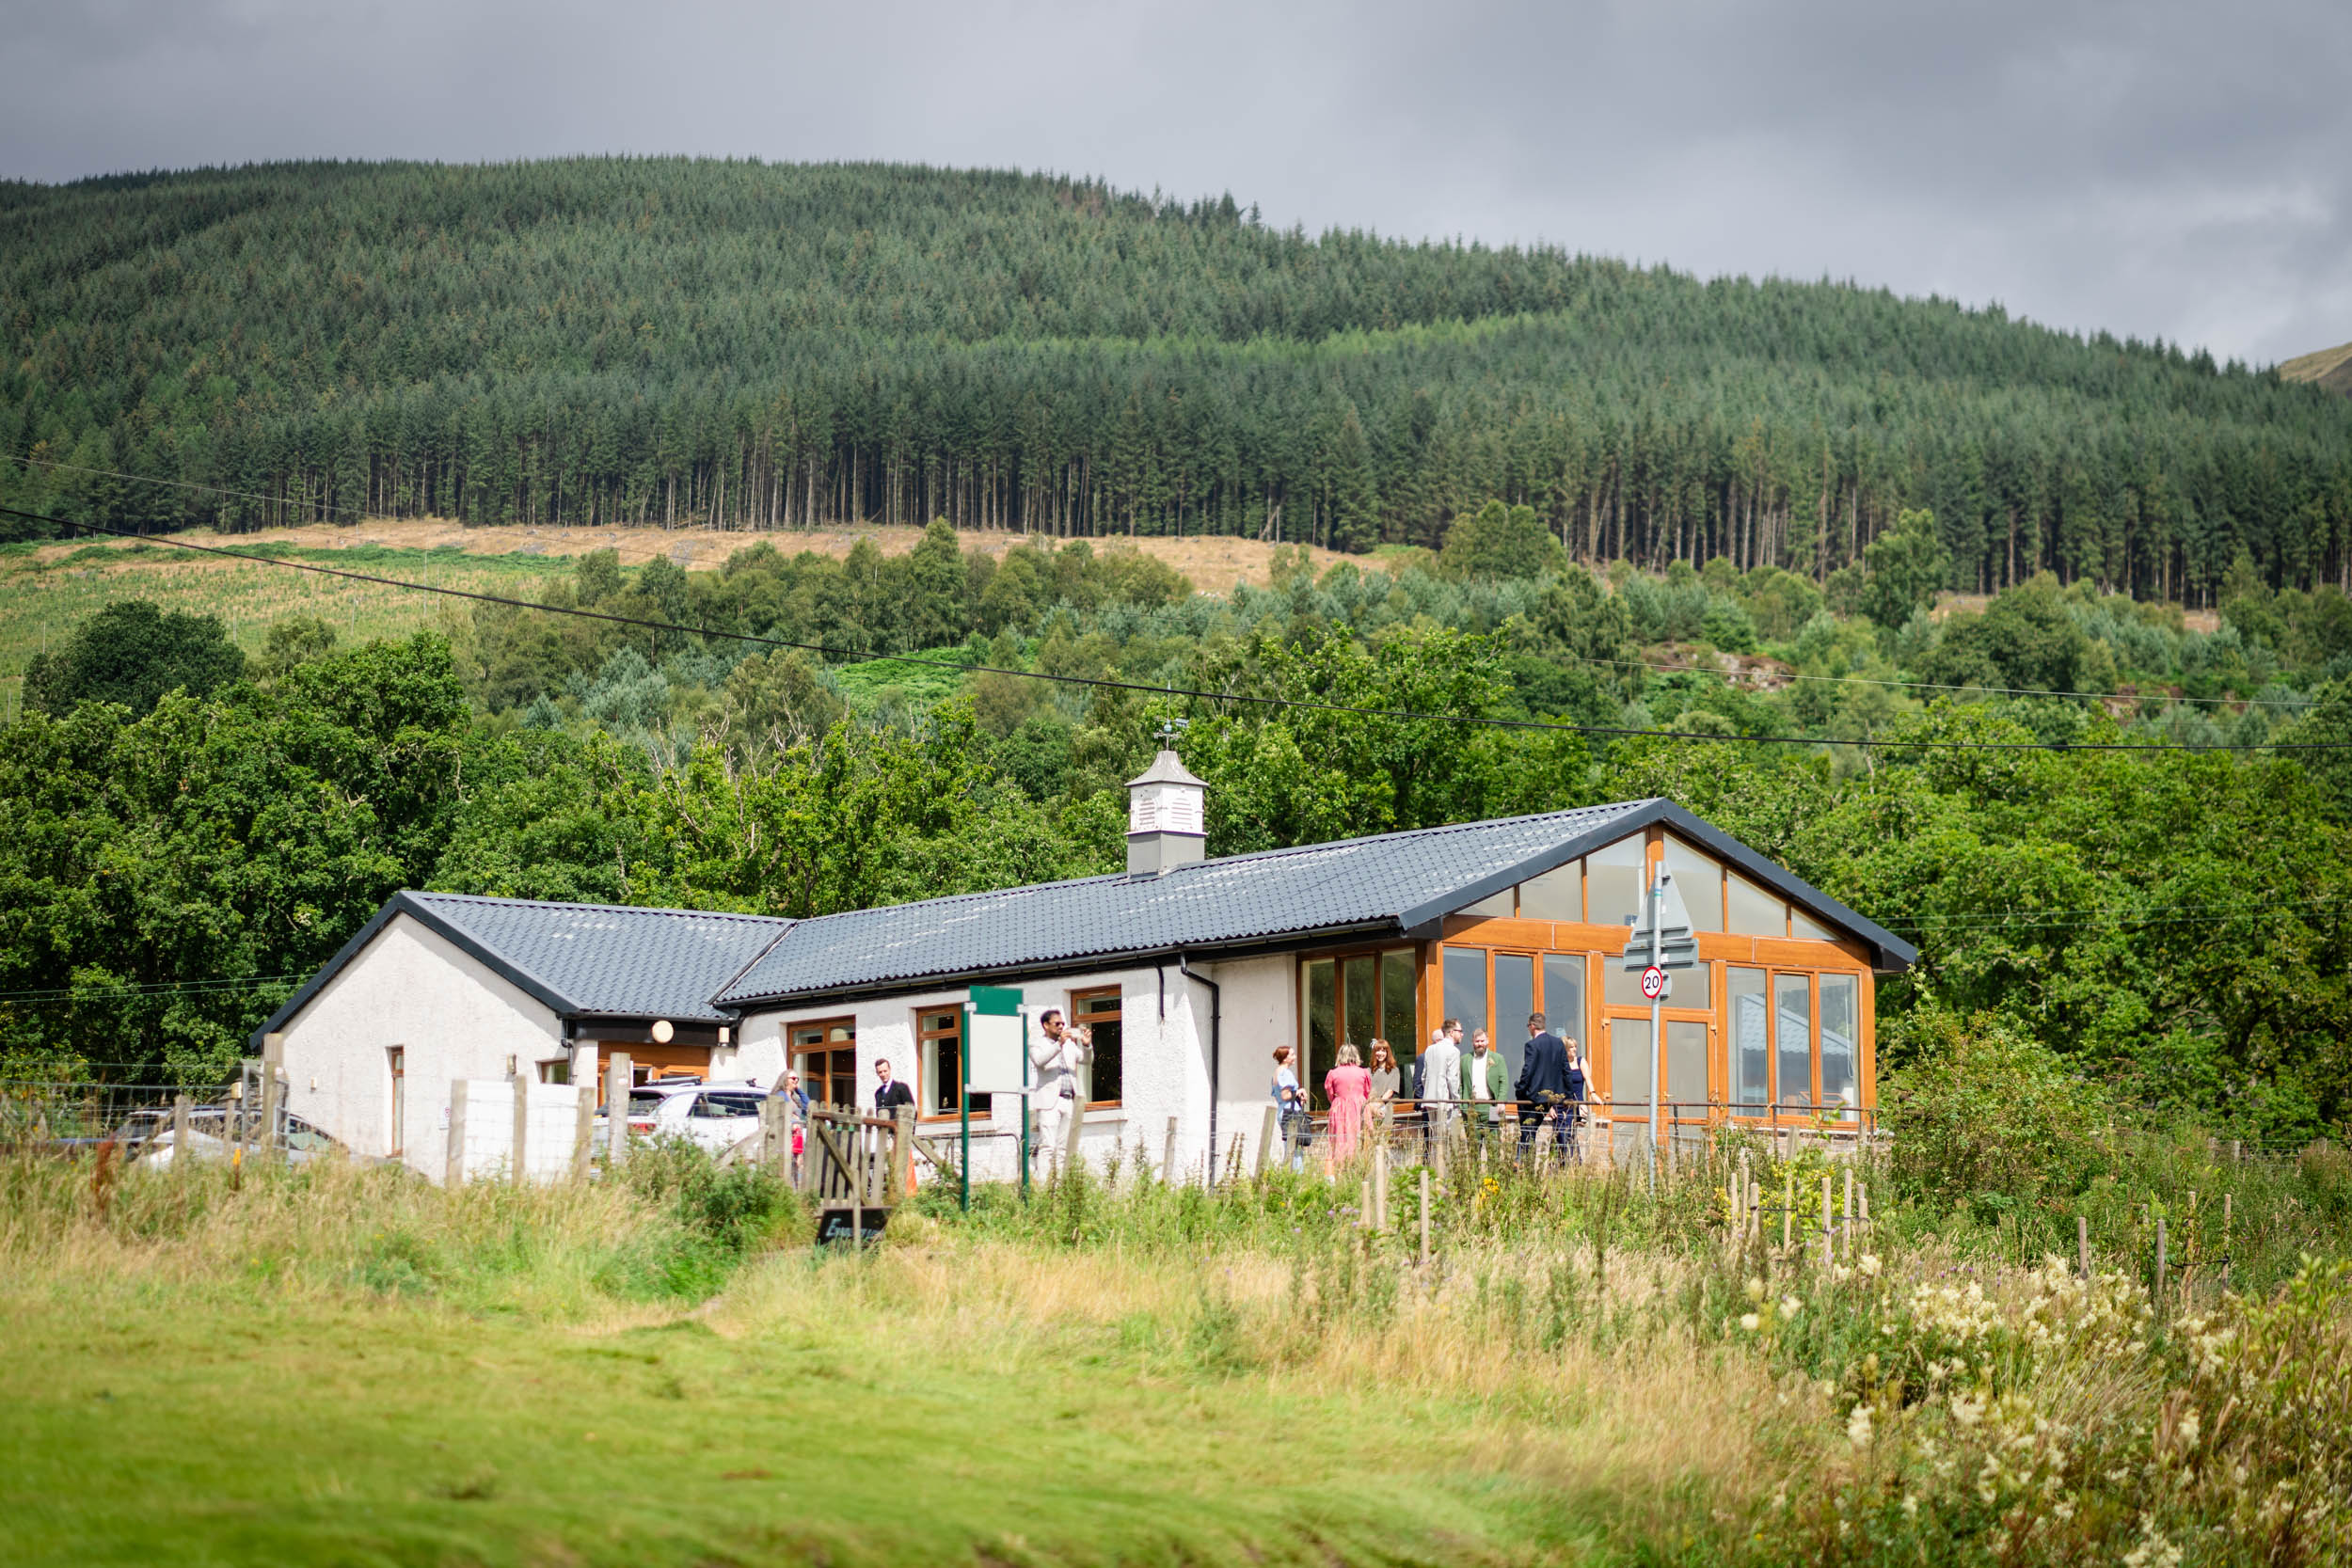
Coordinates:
(1772, 1026)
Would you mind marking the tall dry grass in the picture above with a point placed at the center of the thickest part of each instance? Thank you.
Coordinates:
(208, 1232)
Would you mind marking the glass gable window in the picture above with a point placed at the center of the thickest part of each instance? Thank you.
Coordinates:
(1613, 881)
(1557, 894)
(1700, 880)
(1465, 988)
(1802, 925)
(1840, 1025)
(1793, 1008)
(1564, 996)
(1515, 999)
(1753, 911)
(1686, 1069)
(1632, 1070)
(1497, 904)
(1750, 1050)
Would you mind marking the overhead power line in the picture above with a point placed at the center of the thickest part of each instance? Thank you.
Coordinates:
(1398, 716)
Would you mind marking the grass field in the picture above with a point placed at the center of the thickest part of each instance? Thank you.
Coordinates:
(347, 1365)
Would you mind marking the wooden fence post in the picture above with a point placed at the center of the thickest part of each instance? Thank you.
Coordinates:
(1788, 1211)
(583, 1128)
(616, 1111)
(1168, 1158)
(2161, 1313)
(903, 1150)
(518, 1158)
(454, 1173)
(1829, 1225)
(180, 1157)
(1425, 1216)
(1266, 1140)
(2082, 1244)
(1848, 1238)
(272, 1096)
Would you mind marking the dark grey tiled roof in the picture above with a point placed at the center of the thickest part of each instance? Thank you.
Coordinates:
(1394, 880)
(581, 959)
(604, 959)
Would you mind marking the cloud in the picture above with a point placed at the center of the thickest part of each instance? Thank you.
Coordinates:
(2160, 170)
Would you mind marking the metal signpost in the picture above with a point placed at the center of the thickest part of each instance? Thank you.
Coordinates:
(995, 1061)
(1660, 942)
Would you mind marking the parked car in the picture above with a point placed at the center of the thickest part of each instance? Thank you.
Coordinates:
(149, 1138)
(716, 1117)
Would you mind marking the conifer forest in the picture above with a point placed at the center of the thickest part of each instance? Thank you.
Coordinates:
(603, 340)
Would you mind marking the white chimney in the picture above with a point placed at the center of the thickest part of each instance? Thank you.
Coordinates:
(1166, 826)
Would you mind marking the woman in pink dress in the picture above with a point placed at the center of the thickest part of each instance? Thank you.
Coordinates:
(1349, 1087)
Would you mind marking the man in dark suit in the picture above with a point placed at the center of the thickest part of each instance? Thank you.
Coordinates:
(1547, 1087)
(892, 1094)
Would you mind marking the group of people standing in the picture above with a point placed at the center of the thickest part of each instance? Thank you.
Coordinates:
(1448, 1083)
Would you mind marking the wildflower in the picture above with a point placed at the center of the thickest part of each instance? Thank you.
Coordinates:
(1749, 1322)
(1858, 1427)
(2189, 1428)
(1787, 1307)
(1871, 1264)
(1756, 1289)
(1911, 1505)
(1967, 1411)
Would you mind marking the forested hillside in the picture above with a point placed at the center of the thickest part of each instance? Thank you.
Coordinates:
(608, 340)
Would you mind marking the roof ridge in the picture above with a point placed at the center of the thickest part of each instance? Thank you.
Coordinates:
(1216, 862)
(615, 909)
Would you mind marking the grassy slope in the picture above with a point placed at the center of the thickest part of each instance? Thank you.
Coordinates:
(2330, 368)
(45, 589)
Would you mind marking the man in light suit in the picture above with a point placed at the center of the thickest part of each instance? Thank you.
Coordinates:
(1435, 1081)
(1055, 1057)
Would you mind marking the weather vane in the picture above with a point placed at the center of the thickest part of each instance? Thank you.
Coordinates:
(1169, 732)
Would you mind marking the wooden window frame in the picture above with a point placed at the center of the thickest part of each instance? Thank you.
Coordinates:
(1427, 1004)
(1118, 995)
(923, 1038)
(794, 1051)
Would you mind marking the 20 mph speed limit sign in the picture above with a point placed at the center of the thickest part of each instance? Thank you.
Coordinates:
(1653, 983)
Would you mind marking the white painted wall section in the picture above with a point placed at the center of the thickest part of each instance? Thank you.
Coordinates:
(450, 1014)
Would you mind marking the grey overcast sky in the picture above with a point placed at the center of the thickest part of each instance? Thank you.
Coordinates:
(2153, 166)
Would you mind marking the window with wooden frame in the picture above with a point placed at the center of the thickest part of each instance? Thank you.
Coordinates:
(939, 1056)
(1354, 999)
(1794, 1042)
(1100, 1013)
(824, 1053)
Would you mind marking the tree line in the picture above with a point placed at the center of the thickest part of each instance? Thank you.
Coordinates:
(595, 341)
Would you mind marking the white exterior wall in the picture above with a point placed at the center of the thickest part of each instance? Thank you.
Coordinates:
(1261, 1012)
(451, 1015)
(1165, 1073)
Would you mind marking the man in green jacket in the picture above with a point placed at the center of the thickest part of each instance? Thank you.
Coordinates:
(1485, 1084)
